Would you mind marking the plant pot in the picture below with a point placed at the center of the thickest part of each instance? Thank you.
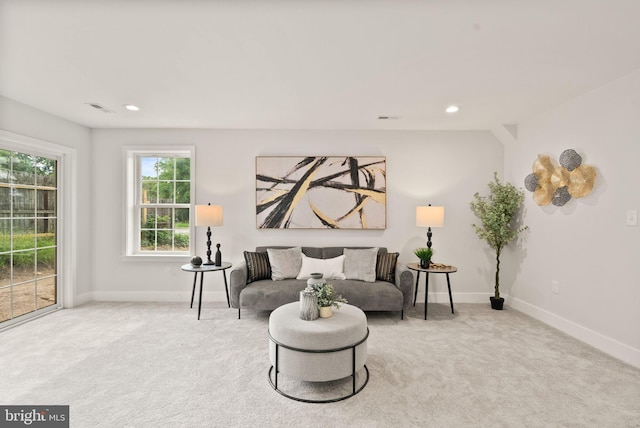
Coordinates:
(325, 312)
(425, 263)
(496, 303)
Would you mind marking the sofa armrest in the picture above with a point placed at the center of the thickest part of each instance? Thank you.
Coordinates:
(404, 281)
(237, 281)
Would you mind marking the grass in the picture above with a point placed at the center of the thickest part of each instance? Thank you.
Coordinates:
(24, 250)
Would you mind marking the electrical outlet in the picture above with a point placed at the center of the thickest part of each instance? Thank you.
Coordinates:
(555, 286)
(632, 218)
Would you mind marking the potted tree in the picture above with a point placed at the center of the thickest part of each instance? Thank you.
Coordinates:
(424, 254)
(327, 298)
(496, 212)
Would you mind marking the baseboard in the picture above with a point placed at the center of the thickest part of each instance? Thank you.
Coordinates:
(443, 297)
(605, 344)
(156, 296)
(81, 299)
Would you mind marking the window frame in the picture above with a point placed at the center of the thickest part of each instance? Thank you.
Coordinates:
(133, 204)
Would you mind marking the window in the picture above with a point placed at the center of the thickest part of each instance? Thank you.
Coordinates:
(28, 238)
(159, 195)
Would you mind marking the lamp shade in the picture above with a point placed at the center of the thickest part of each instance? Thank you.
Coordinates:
(429, 216)
(208, 215)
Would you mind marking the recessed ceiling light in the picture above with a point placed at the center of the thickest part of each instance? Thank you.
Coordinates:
(131, 107)
(452, 109)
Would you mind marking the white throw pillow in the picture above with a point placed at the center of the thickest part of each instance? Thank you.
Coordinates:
(285, 264)
(360, 264)
(329, 268)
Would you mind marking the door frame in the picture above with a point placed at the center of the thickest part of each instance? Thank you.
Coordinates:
(67, 207)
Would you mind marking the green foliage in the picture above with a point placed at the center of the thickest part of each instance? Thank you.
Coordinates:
(159, 228)
(497, 212)
(26, 259)
(162, 222)
(171, 181)
(424, 253)
(180, 240)
(25, 168)
(327, 296)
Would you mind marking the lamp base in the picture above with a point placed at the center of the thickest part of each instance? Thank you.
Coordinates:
(209, 263)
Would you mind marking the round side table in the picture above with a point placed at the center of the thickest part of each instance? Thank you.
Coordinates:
(447, 270)
(202, 269)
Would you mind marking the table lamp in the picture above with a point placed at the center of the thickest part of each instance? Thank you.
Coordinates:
(429, 217)
(210, 216)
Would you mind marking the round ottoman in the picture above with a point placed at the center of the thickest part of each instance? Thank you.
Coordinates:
(318, 351)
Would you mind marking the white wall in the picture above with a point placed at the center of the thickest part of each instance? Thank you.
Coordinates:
(586, 245)
(441, 168)
(20, 119)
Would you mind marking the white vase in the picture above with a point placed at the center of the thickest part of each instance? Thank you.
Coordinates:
(308, 304)
(316, 279)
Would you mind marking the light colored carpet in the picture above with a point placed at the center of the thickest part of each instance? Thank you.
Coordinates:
(155, 365)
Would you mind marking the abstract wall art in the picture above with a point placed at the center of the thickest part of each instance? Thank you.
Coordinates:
(556, 185)
(321, 192)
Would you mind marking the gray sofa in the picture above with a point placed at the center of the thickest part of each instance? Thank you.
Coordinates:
(267, 294)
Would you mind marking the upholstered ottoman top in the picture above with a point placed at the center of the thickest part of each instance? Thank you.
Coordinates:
(344, 330)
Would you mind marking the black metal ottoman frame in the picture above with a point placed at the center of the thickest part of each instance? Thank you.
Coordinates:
(274, 384)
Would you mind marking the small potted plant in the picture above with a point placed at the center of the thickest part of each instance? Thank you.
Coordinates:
(327, 298)
(496, 213)
(424, 254)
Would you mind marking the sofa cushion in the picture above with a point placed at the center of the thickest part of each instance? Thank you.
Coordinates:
(370, 296)
(329, 268)
(360, 264)
(386, 266)
(257, 266)
(285, 263)
(268, 295)
(376, 296)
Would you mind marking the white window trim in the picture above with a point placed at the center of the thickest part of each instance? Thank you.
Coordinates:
(131, 232)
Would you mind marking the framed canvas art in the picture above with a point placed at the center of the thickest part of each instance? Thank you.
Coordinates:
(321, 192)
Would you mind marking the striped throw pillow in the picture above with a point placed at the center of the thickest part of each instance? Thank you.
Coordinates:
(257, 265)
(386, 267)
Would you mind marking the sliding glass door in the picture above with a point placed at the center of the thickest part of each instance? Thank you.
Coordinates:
(28, 235)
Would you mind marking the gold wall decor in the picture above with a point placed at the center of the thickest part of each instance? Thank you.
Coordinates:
(556, 185)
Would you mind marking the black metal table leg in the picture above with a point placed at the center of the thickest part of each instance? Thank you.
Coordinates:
(426, 293)
(200, 300)
(437, 268)
(193, 291)
(226, 288)
(223, 266)
(277, 366)
(450, 298)
(353, 370)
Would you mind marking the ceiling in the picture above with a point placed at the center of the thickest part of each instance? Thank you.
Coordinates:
(311, 64)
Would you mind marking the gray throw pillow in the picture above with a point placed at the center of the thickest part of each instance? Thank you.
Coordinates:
(360, 264)
(285, 264)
